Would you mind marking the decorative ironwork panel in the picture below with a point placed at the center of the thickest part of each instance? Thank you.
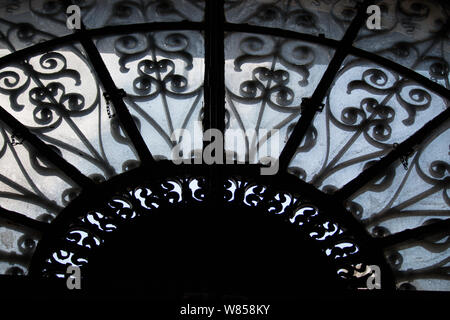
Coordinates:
(414, 34)
(88, 231)
(266, 79)
(60, 130)
(16, 249)
(411, 191)
(327, 17)
(162, 75)
(370, 110)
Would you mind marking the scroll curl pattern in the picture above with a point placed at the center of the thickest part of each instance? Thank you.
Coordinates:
(268, 77)
(92, 228)
(29, 22)
(165, 70)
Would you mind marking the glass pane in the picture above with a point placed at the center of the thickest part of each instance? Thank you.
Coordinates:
(162, 74)
(409, 195)
(330, 17)
(98, 14)
(367, 110)
(266, 79)
(58, 97)
(410, 192)
(28, 184)
(413, 34)
(17, 246)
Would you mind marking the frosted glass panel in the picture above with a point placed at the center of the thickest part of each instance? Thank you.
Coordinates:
(162, 74)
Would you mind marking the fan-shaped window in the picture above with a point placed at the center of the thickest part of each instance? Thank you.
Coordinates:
(106, 131)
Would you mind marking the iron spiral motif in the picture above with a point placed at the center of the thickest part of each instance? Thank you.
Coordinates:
(166, 92)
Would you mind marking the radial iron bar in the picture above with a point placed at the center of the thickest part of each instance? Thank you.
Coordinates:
(416, 234)
(310, 106)
(43, 149)
(18, 219)
(402, 149)
(403, 71)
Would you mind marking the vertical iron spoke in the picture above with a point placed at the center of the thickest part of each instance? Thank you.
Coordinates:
(310, 106)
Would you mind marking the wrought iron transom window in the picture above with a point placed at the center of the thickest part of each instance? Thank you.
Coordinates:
(360, 116)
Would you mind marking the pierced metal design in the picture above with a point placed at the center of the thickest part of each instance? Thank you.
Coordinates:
(27, 23)
(97, 13)
(59, 105)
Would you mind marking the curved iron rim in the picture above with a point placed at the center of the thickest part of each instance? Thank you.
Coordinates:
(286, 182)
